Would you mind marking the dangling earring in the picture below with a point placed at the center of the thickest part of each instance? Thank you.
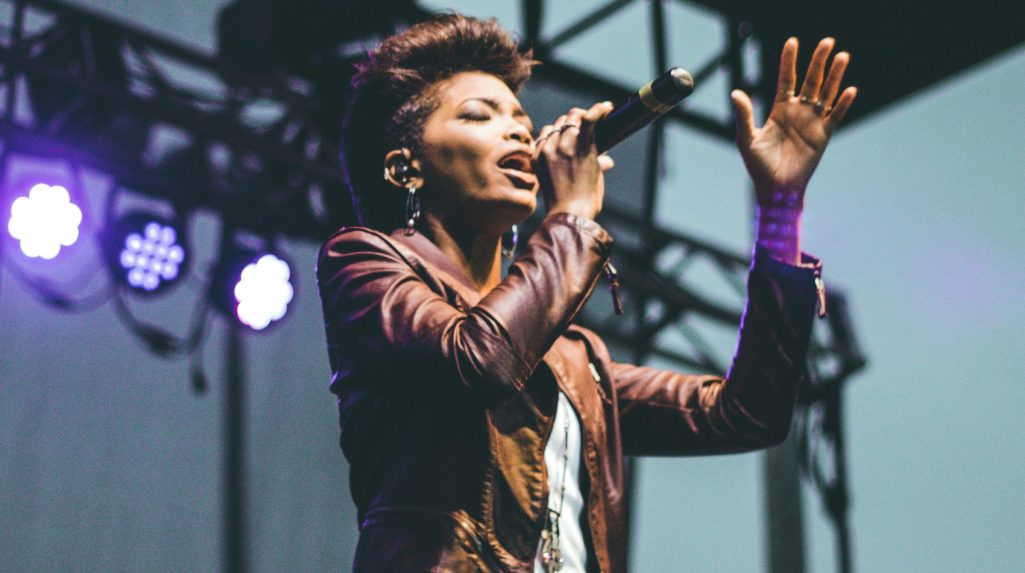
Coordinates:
(412, 210)
(509, 241)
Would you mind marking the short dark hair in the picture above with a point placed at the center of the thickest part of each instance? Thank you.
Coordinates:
(393, 94)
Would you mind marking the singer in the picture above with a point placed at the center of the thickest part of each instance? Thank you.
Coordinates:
(484, 431)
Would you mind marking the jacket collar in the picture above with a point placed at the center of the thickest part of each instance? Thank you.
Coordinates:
(431, 255)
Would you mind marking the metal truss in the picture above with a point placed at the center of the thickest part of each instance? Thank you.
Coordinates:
(562, 73)
(166, 121)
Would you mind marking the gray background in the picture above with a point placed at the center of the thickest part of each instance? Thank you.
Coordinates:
(108, 462)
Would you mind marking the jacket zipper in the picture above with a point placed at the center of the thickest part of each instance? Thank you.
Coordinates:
(820, 290)
(613, 275)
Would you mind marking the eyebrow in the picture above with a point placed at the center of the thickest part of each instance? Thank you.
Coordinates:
(495, 104)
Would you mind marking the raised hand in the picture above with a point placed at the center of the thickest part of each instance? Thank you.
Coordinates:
(781, 155)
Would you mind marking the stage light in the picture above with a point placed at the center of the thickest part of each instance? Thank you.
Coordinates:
(44, 221)
(263, 292)
(252, 283)
(145, 252)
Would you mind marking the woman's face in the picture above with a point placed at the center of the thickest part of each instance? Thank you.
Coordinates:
(476, 155)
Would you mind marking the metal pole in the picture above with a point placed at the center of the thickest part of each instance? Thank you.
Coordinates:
(838, 498)
(235, 556)
(784, 518)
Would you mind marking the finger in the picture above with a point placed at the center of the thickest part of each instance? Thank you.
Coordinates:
(744, 117)
(570, 132)
(551, 141)
(832, 85)
(840, 109)
(589, 120)
(605, 162)
(541, 137)
(559, 122)
(545, 132)
(787, 67)
(813, 77)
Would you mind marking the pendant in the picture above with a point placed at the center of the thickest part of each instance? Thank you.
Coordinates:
(551, 557)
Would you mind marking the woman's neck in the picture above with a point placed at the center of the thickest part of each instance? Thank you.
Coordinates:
(478, 255)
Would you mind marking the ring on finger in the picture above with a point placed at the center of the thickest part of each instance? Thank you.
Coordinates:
(817, 104)
(568, 126)
(785, 94)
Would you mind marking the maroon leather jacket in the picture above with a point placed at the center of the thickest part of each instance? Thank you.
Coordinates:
(446, 399)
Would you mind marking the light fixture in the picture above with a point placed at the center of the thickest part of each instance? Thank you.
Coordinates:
(254, 287)
(145, 252)
(44, 221)
(263, 291)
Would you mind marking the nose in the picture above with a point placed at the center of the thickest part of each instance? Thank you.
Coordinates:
(519, 132)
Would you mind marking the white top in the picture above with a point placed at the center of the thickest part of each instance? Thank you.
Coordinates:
(571, 536)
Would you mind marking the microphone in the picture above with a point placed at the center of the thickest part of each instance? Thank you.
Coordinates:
(649, 103)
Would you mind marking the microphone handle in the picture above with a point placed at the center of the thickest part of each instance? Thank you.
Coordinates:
(643, 107)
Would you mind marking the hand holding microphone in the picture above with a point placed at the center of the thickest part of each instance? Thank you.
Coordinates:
(649, 103)
(644, 106)
(567, 153)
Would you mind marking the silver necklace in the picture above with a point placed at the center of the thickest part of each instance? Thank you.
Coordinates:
(551, 554)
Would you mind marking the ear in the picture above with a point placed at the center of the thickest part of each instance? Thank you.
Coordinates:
(401, 169)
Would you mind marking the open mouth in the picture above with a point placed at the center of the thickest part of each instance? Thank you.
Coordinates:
(517, 167)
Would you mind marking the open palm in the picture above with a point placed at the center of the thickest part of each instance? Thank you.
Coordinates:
(781, 155)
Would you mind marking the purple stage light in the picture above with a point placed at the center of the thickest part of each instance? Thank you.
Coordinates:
(263, 292)
(44, 221)
(152, 256)
(145, 251)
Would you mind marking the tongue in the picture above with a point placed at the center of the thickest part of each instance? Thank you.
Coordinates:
(515, 166)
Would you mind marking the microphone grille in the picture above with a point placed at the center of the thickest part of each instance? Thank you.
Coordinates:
(683, 80)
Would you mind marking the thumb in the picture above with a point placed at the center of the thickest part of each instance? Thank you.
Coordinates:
(744, 115)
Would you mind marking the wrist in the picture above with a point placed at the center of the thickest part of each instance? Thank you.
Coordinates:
(581, 209)
(779, 232)
(780, 196)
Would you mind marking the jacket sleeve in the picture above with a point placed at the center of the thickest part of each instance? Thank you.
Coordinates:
(667, 413)
(383, 317)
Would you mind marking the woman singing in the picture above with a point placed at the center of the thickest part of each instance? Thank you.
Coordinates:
(483, 430)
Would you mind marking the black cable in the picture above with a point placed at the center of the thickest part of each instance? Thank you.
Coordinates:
(49, 293)
(196, 373)
(158, 340)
